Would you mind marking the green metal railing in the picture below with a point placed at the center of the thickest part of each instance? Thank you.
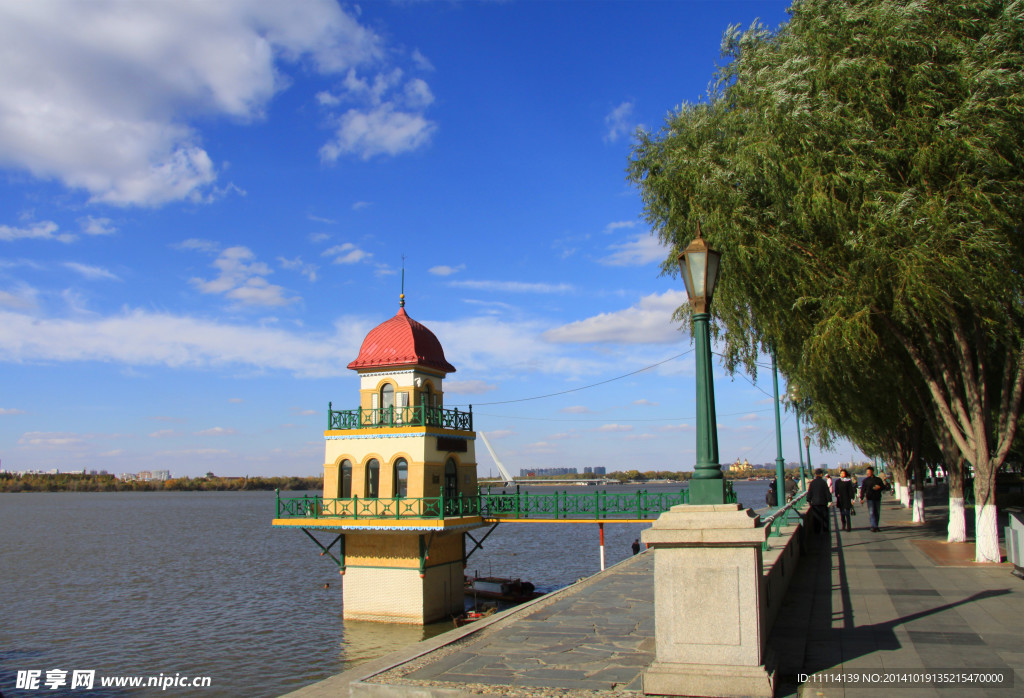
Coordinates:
(782, 517)
(414, 416)
(494, 505)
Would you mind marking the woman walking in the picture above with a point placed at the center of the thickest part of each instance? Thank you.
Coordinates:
(846, 491)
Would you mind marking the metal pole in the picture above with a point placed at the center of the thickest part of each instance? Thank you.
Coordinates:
(780, 463)
(600, 526)
(799, 438)
(809, 466)
(707, 485)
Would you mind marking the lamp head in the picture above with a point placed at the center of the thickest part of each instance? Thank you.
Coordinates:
(699, 266)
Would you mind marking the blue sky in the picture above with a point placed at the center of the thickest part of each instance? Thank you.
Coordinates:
(204, 208)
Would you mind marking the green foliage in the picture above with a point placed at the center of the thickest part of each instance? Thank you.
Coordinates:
(860, 169)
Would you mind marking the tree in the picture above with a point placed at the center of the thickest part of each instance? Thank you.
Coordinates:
(860, 169)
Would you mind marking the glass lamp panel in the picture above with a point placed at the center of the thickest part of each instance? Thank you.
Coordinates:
(697, 261)
(713, 259)
(684, 271)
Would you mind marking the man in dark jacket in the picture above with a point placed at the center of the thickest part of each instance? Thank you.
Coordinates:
(871, 490)
(819, 497)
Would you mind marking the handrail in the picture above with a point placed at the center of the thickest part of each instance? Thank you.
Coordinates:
(571, 506)
(398, 416)
(783, 509)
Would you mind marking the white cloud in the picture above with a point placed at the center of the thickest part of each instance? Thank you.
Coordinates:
(44, 230)
(52, 440)
(445, 270)
(512, 286)
(235, 400)
(140, 338)
(242, 280)
(23, 298)
(577, 409)
(676, 427)
(163, 434)
(618, 225)
(97, 226)
(98, 94)
(307, 270)
(619, 122)
(10, 410)
(382, 130)
(318, 237)
(90, 272)
(346, 253)
(752, 417)
(197, 244)
(360, 205)
(615, 428)
(421, 61)
(647, 322)
(645, 402)
(640, 250)
(319, 219)
(470, 387)
(216, 431)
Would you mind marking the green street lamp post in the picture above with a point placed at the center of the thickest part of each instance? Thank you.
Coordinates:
(699, 266)
(780, 463)
(803, 476)
(807, 443)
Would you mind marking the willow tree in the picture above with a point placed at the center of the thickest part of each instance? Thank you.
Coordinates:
(861, 168)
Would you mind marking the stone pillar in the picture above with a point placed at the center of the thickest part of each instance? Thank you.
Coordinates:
(710, 618)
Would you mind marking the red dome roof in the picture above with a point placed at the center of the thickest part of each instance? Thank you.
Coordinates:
(401, 341)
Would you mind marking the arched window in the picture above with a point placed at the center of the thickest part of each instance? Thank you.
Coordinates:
(372, 478)
(401, 479)
(387, 403)
(451, 478)
(345, 482)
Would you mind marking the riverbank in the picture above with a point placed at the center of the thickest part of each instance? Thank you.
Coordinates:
(78, 482)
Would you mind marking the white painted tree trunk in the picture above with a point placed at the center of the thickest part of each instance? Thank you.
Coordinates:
(905, 495)
(918, 516)
(896, 489)
(956, 532)
(986, 536)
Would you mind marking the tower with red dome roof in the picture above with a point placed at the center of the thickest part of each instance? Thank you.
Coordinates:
(400, 482)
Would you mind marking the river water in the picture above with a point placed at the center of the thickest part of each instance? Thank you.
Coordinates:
(198, 584)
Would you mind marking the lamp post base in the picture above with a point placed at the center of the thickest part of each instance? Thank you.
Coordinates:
(707, 491)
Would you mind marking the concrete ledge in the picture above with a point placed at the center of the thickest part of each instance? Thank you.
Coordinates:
(667, 678)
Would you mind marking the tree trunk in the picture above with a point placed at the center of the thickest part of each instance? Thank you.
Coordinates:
(904, 481)
(986, 529)
(956, 531)
(918, 515)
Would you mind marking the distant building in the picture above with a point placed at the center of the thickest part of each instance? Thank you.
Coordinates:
(600, 470)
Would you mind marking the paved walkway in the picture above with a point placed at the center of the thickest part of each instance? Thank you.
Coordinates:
(877, 602)
(861, 601)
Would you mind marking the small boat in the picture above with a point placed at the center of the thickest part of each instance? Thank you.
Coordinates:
(472, 616)
(501, 589)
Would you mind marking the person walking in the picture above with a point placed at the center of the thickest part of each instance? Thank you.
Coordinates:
(846, 492)
(636, 546)
(790, 488)
(819, 498)
(871, 490)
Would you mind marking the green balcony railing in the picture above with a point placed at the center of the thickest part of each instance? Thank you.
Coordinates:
(494, 505)
(414, 416)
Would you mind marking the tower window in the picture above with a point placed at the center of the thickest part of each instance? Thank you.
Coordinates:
(401, 477)
(345, 485)
(372, 478)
